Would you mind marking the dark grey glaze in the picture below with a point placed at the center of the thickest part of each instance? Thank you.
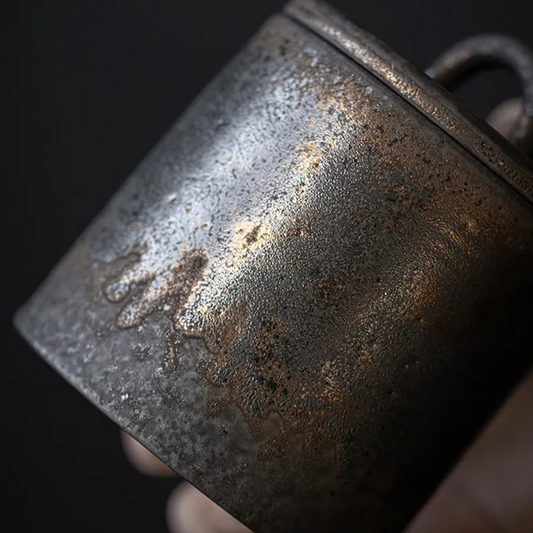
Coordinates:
(304, 300)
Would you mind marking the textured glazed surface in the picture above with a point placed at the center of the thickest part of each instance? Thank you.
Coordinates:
(427, 96)
(297, 295)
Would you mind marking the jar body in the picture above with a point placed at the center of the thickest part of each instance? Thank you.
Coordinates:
(304, 300)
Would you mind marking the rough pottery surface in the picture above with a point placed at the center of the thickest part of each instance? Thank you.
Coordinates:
(303, 292)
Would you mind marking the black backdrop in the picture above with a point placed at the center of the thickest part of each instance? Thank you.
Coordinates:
(89, 88)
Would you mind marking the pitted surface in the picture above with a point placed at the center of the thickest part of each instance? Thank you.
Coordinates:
(281, 298)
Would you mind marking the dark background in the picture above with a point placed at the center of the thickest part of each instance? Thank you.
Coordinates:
(89, 88)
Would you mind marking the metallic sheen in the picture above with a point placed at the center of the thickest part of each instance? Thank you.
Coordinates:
(304, 300)
(435, 102)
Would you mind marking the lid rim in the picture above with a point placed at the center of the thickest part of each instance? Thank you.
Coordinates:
(421, 92)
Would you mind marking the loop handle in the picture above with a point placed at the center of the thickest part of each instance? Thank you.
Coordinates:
(468, 55)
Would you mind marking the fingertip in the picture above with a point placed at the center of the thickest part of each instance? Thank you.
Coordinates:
(491, 488)
(190, 511)
(142, 459)
(504, 116)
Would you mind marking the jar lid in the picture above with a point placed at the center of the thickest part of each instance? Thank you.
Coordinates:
(423, 93)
